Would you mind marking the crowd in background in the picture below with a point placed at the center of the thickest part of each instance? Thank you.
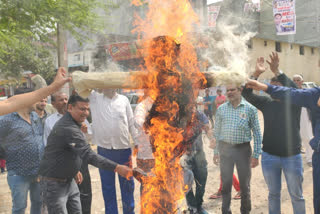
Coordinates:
(47, 153)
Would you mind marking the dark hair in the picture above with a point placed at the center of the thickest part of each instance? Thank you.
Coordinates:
(277, 14)
(73, 99)
(53, 96)
(22, 90)
(219, 90)
(274, 79)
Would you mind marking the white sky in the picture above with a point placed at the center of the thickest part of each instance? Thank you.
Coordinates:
(214, 1)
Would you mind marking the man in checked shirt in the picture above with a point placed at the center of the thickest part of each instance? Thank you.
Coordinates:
(235, 120)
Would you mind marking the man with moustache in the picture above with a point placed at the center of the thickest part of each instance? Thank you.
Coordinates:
(112, 124)
(60, 166)
(235, 120)
(21, 135)
(40, 108)
(59, 101)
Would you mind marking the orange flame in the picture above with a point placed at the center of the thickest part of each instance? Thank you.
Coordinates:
(172, 77)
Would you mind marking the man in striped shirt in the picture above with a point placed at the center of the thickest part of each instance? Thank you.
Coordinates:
(235, 121)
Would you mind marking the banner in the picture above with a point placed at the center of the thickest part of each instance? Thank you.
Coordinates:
(252, 6)
(284, 16)
(213, 12)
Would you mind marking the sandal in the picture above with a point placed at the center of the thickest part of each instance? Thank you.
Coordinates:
(237, 196)
(216, 195)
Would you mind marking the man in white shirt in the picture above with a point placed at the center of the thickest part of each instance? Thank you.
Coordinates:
(59, 101)
(112, 124)
(305, 124)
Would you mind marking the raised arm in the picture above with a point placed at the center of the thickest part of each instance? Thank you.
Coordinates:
(82, 148)
(301, 97)
(23, 100)
(256, 100)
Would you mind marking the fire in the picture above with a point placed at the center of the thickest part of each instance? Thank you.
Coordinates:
(172, 77)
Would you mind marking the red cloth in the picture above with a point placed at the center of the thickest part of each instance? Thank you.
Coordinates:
(2, 163)
(235, 183)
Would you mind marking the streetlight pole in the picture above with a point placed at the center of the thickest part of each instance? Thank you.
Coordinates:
(62, 54)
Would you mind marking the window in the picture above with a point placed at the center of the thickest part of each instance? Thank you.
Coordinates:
(265, 43)
(301, 50)
(278, 46)
(312, 51)
(249, 43)
(76, 57)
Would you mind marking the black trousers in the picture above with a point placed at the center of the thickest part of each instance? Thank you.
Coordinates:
(85, 189)
(240, 156)
(198, 165)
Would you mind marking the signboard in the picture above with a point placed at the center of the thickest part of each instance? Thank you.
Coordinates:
(284, 16)
(123, 51)
(213, 12)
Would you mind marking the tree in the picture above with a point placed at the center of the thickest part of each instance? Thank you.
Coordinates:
(22, 22)
(28, 56)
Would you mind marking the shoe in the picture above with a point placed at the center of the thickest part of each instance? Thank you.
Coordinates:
(216, 195)
(237, 196)
(200, 210)
(309, 164)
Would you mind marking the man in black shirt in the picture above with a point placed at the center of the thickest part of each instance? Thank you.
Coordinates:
(281, 140)
(65, 150)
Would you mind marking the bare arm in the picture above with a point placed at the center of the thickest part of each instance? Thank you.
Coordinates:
(23, 100)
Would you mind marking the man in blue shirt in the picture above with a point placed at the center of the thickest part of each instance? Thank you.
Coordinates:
(308, 98)
(208, 102)
(21, 135)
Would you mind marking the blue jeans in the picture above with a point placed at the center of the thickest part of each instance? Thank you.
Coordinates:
(120, 156)
(20, 186)
(272, 166)
(316, 181)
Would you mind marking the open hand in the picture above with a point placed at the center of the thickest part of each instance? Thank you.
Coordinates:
(274, 63)
(260, 67)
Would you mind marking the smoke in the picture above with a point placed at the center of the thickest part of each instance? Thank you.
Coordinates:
(227, 55)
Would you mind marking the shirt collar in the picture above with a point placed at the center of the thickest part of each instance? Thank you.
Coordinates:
(242, 102)
(70, 117)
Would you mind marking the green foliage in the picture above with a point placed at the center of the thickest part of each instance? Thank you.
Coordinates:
(23, 21)
(28, 56)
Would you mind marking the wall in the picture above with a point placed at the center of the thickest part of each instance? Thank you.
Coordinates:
(291, 62)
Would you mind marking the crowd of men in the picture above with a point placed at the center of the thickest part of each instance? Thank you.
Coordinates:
(47, 154)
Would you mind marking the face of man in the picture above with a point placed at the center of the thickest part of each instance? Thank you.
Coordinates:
(298, 81)
(40, 106)
(207, 92)
(233, 93)
(60, 103)
(277, 19)
(79, 112)
(219, 93)
(109, 92)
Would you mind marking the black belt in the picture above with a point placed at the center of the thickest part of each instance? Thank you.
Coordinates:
(60, 180)
(235, 145)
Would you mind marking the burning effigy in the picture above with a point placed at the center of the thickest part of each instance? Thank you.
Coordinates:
(171, 74)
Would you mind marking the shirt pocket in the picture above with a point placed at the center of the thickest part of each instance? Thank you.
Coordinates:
(243, 123)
